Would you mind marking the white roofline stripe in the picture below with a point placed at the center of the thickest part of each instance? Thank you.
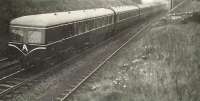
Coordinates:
(18, 26)
(52, 19)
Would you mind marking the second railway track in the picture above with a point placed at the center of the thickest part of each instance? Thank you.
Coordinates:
(3, 59)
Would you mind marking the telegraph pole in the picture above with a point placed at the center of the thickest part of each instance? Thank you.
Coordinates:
(171, 4)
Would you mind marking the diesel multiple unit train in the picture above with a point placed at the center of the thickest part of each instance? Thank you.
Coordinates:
(37, 36)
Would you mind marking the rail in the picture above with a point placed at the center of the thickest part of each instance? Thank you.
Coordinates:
(4, 59)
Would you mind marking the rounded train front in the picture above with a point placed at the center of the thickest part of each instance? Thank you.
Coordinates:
(26, 43)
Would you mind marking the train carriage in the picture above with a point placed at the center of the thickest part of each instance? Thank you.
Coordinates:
(44, 34)
(125, 16)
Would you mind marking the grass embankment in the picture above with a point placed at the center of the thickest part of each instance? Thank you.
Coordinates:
(162, 66)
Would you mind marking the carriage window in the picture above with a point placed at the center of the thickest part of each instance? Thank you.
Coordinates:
(81, 27)
(91, 24)
(105, 20)
(121, 16)
(98, 22)
(110, 19)
(69, 30)
(17, 35)
(76, 28)
(101, 21)
(34, 37)
(87, 26)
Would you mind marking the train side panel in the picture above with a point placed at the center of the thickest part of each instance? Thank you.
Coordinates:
(79, 34)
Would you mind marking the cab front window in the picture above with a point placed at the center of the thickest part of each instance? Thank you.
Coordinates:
(29, 36)
(34, 37)
(17, 35)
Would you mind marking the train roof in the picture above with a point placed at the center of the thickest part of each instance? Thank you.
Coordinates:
(120, 9)
(52, 19)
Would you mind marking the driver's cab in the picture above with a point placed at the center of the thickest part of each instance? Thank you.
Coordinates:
(27, 35)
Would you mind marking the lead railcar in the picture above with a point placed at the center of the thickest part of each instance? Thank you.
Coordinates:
(38, 36)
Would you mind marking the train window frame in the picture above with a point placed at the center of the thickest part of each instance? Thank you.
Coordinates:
(25, 32)
(75, 28)
(111, 19)
(81, 27)
(91, 24)
(14, 35)
(98, 22)
(29, 35)
(88, 25)
(106, 20)
(43, 36)
(69, 30)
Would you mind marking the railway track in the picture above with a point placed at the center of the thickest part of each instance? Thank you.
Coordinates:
(8, 65)
(3, 59)
(10, 82)
(19, 78)
(80, 81)
(22, 76)
(9, 79)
